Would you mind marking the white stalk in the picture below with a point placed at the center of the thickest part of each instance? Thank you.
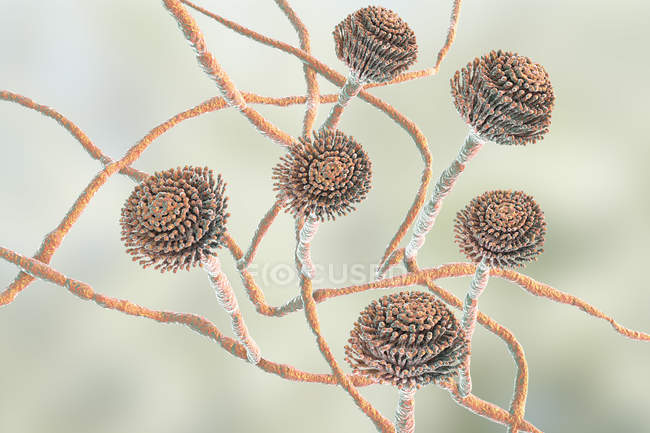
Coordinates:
(405, 414)
(470, 312)
(429, 212)
(227, 300)
(348, 91)
(303, 249)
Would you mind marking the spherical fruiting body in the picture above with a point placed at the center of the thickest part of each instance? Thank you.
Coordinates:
(174, 218)
(375, 43)
(407, 339)
(323, 176)
(504, 97)
(504, 228)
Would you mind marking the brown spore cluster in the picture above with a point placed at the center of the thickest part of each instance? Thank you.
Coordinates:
(407, 339)
(375, 43)
(174, 218)
(504, 97)
(324, 175)
(507, 228)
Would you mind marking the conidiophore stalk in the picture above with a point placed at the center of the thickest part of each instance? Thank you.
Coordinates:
(500, 228)
(303, 249)
(405, 414)
(351, 88)
(468, 322)
(443, 186)
(476, 287)
(226, 298)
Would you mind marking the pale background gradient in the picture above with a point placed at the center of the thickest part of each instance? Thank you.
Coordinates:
(118, 68)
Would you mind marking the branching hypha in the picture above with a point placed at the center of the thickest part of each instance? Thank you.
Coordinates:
(176, 218)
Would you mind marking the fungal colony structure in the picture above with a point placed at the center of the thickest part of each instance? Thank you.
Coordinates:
(176, 219)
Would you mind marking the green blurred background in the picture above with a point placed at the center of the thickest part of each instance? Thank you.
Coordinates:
(118, 68)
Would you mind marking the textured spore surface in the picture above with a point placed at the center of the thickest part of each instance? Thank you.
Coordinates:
(507, 228)
(375, 43)
(504, 97)
(175, 217)
(324, 176)
(407, 339)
